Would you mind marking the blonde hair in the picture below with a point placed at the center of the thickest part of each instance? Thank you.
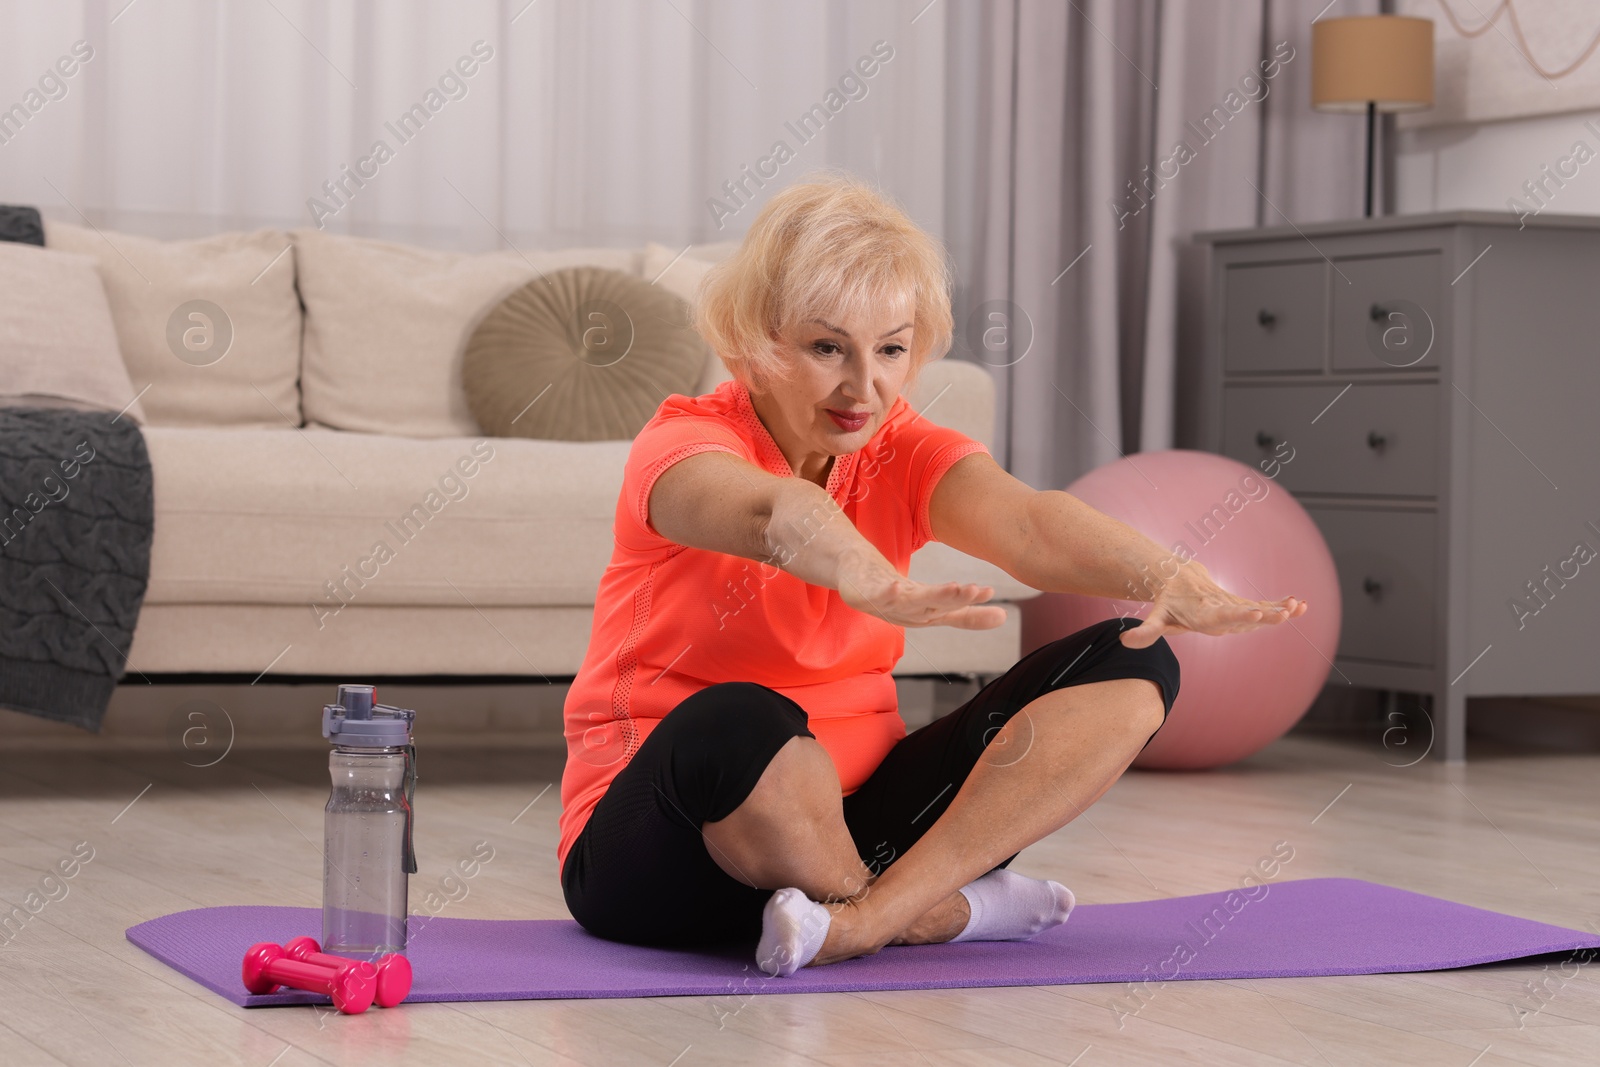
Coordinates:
(827, 246)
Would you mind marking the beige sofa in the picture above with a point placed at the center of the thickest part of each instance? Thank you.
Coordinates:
(335, 424)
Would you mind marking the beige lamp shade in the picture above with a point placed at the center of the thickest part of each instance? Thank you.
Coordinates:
(1386, 60)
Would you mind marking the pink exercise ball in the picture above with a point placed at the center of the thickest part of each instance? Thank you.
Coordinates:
(1237, 692)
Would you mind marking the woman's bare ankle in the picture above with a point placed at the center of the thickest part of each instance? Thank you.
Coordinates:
(938, 924)
(847, 936)
(850, 932)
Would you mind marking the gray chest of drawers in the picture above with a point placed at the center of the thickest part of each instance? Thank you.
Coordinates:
(1438, 379)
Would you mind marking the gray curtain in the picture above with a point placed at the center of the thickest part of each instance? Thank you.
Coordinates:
(1071, 208)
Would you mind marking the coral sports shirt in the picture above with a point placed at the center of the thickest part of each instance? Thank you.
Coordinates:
(670, 620)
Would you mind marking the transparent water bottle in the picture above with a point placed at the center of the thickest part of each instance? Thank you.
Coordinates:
(367, 827)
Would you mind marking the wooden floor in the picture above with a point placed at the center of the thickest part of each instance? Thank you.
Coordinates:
(1512, 831)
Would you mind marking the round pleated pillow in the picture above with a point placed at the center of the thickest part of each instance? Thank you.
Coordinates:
(580, 354)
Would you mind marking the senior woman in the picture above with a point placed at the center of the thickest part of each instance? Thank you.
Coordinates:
(737, 769)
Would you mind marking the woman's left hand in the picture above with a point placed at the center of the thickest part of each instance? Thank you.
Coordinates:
(1192, 602)
(868, 583)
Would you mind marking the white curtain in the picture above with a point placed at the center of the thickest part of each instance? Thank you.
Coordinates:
(608, 122)
(1058, 224)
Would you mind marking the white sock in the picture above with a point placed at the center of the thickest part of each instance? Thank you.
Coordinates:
(1007, 906)
(793, 927)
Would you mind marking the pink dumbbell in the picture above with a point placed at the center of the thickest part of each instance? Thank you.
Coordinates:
(394, 970)
(352, 985)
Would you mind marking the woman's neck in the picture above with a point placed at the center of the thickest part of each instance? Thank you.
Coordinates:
(814, 467)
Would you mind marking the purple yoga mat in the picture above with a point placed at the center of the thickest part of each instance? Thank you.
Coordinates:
(1315, 926)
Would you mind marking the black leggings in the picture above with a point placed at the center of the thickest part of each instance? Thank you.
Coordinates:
(640, 872)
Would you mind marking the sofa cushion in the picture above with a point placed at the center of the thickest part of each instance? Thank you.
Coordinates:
(957, 393)
(582, 354)
(387, 324)
(56, 331)
(679, 273)
(715, 252)
(323, 519)
(212, 326)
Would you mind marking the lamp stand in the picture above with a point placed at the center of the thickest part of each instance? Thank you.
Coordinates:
(1372, 123)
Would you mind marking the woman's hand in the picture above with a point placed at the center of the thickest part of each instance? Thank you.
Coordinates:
(1192, 602)
(875, 589)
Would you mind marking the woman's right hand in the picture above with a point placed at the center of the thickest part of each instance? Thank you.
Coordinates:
(873, 587)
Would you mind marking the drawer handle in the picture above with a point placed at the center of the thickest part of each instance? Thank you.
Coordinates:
(1265, 317)
(1376, 440)
(1372, 587)
(1264, 439)
(1379, 313)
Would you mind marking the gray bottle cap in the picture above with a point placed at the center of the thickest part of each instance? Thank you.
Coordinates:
(359, 721)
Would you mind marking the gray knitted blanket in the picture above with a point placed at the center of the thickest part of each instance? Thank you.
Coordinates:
(76, 518)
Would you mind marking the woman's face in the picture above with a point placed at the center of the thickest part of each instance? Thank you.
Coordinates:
(847, 371)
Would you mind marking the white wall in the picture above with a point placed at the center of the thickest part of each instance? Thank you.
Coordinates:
(1481, 166)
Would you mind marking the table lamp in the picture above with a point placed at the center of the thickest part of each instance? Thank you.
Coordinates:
(1372, 63)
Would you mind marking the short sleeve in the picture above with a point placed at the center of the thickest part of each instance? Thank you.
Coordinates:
(942, 460)
(663, 442)
(927, 451)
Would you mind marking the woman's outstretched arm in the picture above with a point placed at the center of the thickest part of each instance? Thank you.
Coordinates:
(720, 502)
(1055, 542)
(1047, 539)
